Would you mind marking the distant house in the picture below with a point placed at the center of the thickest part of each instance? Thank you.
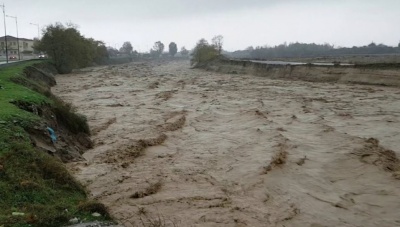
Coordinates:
(25, 45)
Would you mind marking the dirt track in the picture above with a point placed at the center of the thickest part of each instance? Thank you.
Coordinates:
(198, 148)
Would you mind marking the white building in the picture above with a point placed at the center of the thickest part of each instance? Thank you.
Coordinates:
(25, 46)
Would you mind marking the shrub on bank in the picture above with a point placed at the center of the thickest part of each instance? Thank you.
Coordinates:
(67, 116)
(203, 53)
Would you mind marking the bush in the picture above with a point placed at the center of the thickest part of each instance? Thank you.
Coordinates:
(93, 206)
(66, 115)
(203, 53)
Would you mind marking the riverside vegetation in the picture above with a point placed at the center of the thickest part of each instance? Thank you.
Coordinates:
(35, 187)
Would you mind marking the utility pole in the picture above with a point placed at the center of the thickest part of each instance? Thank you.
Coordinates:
(16, 23)
(38, 27)
(5, 30)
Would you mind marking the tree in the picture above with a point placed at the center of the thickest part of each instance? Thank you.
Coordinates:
(173, 49)
(184, 52)
(203, 53)
(112, 51)
(296, 50)
(126, 48)
(98, 51)
(250, 48)
(158, 49)
(36, 43)
(68, 49)
(202, 43)
(217, 42)
(62, 44)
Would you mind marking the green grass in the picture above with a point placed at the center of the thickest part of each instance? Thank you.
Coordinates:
(31, 181)
(10, 91)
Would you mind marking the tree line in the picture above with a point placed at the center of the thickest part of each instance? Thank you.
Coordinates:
(296, 50)
(155, 52)
(69, 49)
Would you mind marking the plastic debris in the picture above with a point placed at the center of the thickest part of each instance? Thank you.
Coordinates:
(73, 221)
(53, 135)
(95, 214)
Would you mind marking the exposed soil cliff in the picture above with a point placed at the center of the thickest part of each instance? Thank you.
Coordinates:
(386, 75)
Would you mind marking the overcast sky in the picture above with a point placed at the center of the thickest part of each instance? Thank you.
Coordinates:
(243, 23)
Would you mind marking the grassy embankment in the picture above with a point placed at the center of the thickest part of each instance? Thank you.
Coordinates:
(35, 188)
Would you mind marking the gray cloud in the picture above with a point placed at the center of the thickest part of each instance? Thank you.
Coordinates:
(242, 23)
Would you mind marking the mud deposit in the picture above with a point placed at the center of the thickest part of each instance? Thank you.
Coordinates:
(189, 147)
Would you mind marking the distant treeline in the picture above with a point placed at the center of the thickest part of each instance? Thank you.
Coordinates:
(298, 50)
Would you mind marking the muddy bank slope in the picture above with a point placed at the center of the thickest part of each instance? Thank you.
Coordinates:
(386, 75)
(35, 187)
(198, 148)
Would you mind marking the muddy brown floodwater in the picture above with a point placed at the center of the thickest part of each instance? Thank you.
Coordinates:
(187, 147)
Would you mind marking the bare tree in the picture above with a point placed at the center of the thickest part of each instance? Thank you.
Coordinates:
(184, 52)
(217, 42)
